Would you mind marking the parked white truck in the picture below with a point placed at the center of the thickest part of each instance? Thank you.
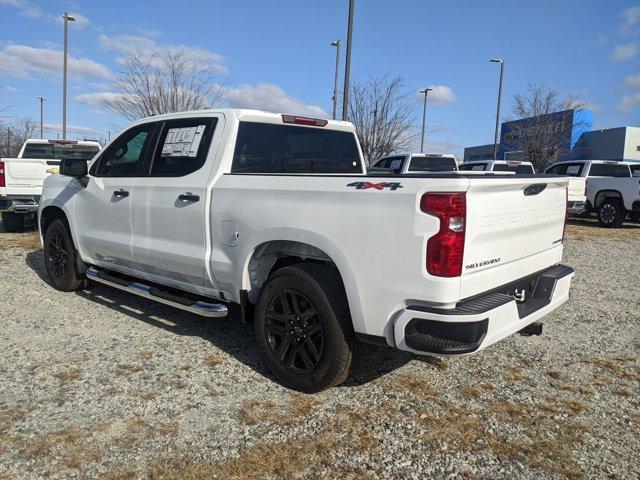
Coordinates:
(276, 213)
(410, 163)
(21, 178)
(513, 166)
(612, 189)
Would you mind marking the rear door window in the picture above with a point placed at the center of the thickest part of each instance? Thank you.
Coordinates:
(609, 170)
(432, 164)
(635, 170)
(274, 148)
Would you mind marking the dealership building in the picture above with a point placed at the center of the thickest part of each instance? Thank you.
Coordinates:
(573, 133)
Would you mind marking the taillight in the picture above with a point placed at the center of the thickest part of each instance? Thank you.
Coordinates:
(2, 181)
(312, 122)
(446, 248)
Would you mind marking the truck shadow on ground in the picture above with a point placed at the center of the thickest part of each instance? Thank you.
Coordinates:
(228, 334)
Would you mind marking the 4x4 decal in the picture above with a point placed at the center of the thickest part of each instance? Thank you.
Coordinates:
(375, 186)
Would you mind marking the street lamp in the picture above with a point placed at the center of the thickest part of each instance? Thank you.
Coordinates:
(495, 136)
(336, 43)
(42, 99)
(67, 18)
(347, 64)
(424, 116)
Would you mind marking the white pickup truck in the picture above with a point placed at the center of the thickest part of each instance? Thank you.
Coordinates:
(514, 166)
(611, 189)
(410, 163)
(21, 178)
(276, 213)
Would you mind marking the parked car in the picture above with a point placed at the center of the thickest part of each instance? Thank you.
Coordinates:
(513, 166)
(408, 163)
(21, 178)
(277, 214)
(610, 189)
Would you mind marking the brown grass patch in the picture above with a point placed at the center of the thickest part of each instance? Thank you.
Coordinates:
(622, 391)
(127, 368)
(29, 241)
(475, 391)
(69, 446)
(120, 472)
(514, 375)
(145, 354)
(177, 384)
(253, 410)
(451, 428)
(611, 366)
(138, 430)
(556, 375)
(413, 385)
(211, 360)
(583, 230)
(65, 379)
(575, 406)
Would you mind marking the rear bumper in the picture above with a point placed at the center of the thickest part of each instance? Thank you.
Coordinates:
(576, 207)
(19, 203)
(476, 323)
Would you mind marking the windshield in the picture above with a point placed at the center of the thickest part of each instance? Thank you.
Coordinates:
(58, 152)
(432, 164)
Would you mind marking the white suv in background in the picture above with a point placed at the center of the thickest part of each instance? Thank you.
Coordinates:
(511, 166)
(403, 163)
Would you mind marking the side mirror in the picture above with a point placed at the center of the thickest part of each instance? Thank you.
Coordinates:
(74, 167)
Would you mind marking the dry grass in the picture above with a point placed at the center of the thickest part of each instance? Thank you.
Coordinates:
(29, 241)
(120, 472)
(612, 366)
(137, 430)
(66, 378)
(145, 354)
(413, 385)
(586, 231)
(514, 375)
(177, 384)
(475, 391)
(575, 406)
(622, 391)
(211, 360)
(252, 411)
(451, 428)
(556, 375)
(127, 368)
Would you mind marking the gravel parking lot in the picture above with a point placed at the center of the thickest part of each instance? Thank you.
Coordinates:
(99, 384)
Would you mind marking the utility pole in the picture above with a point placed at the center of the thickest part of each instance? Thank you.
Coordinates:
(495, 136)
(424, 116)
(67, 18)
(347, 65)
(42, 99)
(336, 43)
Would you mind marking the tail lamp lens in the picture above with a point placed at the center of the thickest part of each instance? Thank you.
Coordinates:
(2, 180)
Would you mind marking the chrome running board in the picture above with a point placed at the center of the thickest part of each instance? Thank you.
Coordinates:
(198, 307)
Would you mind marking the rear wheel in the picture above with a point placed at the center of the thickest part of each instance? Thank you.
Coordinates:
(12, 222)
(303, 327)
(610, 213)
(60, 258)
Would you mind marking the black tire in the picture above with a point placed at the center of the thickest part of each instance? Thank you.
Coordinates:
(12, 222)
(610, 213)
(60, 258)
(306, 351)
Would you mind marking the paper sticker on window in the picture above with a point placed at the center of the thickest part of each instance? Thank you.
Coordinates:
(573, 169)
(183, 142)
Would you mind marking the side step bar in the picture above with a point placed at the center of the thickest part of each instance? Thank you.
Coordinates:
(198, 307)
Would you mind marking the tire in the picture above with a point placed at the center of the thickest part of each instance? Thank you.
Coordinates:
(303, 327)
(610, 213)
(12, 222)
(634, 217)
(60, 258)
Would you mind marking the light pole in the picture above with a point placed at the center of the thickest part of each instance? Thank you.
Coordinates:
(495, 136)
(424, 116)
(347, 63)
(336, 43)
(67, 18)
(42, 99)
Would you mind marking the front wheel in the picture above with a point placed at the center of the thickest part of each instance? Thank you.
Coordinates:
(610, 213)
(60, 258)
(303, 327)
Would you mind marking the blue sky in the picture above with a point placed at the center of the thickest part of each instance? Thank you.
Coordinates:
(276, 55)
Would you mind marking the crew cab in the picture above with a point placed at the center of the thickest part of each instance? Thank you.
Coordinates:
(611, 188)
(409, 163)
(276, 213)
(21, 178)
(514, 166)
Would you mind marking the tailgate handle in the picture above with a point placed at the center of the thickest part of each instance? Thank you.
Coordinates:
(534, 189)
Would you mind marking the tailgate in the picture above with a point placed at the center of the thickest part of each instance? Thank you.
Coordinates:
(577, 188)
(514, 228)
(24, 176)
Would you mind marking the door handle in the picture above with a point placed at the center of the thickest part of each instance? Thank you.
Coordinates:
(121, 193)
(188, 197)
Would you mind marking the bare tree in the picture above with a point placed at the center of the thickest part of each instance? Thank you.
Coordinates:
(383, 114)
(14, 133)
(546, 125)
(172, 81)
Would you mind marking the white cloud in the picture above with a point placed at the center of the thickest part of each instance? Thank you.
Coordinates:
(630, 18)
(601, 39)
(441, 95)
(632, 81)
(28, 10)
(147, 47)
(57, 128)
(624, 51)
(272, 98)
(98, 99)
(629, 102)
(23, 61)
(9, 89)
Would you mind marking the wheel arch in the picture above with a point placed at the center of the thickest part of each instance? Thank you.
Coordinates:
(48, 215)
(602, 195)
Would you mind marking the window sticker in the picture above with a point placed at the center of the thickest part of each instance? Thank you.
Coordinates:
(182, 142)
(573, 169)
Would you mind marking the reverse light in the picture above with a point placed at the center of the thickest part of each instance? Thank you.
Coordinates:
(2, 180)
(312, 122)
(445, 250)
